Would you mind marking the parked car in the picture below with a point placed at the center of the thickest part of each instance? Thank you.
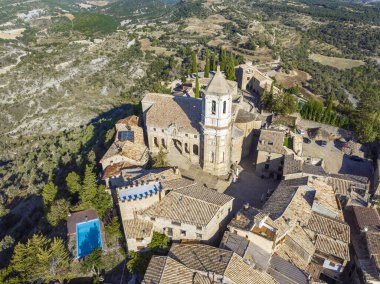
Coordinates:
(300, 131)
(306, 140)
(356, 158)
(322, 143)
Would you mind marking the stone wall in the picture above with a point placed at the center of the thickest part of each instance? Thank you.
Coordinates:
(274, 163)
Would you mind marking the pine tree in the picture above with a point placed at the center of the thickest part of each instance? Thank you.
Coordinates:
(213, 68)
(58, 211)
(90, 186)
(73, 183)
(49, 193)
(194, 61)
(230, 68)
(41, 258)
(197, 94)
(223, 59)
(207, 67)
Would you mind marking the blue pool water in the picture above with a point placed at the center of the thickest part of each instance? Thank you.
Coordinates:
(89, 237)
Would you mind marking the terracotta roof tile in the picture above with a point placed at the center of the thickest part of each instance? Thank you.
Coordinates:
(136, 228)
(195, 205)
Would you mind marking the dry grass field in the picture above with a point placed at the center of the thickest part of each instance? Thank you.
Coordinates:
(296, 77)
(147, 46)
(336, 62)
(207, 27)
(11, 34)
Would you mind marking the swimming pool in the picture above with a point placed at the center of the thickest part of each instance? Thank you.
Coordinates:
(89, 237)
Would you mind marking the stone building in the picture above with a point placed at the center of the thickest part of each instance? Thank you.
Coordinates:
(190, 213)
(179, 208)
(202, 130)
(270, 153)
(251, 79)
(129, 145)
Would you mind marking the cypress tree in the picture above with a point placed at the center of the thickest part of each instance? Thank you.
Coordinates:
(327, 114)
(207, 67)
(223, 59)
(230, 68)
(213, 67)
(197, 95)
(194, 59)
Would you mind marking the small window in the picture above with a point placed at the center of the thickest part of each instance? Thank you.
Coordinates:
(270, 143)
(183, 233)
(223, 157)
(187, 135)
(195, 149)
(199, 236)
(224, 107)
(266, 166)
(152, 219)
(213, 107)
(162, 131)
(187, 148)
(155, 141)
(199, 228)
(248, 78)
(154, 129)
(195, 136)
(176, 223)
(139, 239)
(170, 232)
(212, 157)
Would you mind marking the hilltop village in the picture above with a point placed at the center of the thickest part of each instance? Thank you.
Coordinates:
(240, 197)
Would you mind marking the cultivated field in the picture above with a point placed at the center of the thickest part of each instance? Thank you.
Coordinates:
(339, 63)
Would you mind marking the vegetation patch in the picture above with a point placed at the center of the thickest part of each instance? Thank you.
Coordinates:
(89, 24)
(339, 63)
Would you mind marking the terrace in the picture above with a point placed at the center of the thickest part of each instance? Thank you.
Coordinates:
(139, 192)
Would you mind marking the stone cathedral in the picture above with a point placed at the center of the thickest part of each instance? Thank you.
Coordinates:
(213, 132)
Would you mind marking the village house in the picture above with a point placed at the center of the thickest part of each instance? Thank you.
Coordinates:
(201, 130)
(302, 222)
(190, 213)
(270, 153)
(251, 79)
(178, 208)
(257, 228)
(128, 147)
(280, 269)
(365, 228)
(195, 263)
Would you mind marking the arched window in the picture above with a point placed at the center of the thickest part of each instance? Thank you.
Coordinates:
(213, 107)
(224, 107)
(195, 149)
(163, 143)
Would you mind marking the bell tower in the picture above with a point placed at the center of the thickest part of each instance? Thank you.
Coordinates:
(217, 126)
